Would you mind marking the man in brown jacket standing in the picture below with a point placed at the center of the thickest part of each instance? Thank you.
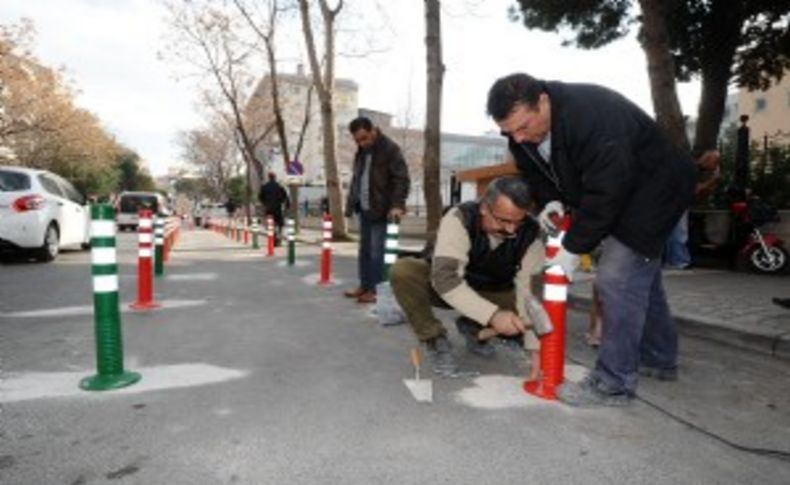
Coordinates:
(379, 187)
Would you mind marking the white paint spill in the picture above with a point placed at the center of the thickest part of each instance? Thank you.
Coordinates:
(40, 385)
(88, 309)
(312, 280)
(502, 392)
(299, 263)
(192, 277)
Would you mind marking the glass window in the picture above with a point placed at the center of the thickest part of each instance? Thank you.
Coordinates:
(760, 104)
(70, 192)
(50, 185)
(13, 181)
(131, 204)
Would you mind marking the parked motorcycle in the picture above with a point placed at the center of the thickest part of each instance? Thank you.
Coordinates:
(763, 251)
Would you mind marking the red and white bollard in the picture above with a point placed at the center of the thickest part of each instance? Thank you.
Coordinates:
(269, 236)
(145, 274)
(326, 251)
(552, 345)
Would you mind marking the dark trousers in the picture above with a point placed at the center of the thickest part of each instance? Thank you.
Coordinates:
(637, 324)
(372, 236)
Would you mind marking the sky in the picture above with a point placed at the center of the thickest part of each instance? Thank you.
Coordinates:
(109, 49)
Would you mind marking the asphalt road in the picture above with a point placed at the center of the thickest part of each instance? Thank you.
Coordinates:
(254, 375)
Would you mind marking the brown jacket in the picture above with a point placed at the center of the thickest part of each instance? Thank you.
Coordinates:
(389, 179)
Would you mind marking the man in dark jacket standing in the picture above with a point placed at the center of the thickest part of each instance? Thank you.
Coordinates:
(379, 187)
(587, 149)
(273, 197)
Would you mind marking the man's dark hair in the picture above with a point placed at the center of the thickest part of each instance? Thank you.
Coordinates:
(271, 176)
(510, 90)
(514, 188)
(360, 123)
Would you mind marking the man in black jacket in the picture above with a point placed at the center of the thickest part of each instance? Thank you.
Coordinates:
(590, 150)
(379, 187)
(274, 197)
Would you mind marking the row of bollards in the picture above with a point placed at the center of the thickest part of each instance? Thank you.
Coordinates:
(244, 233)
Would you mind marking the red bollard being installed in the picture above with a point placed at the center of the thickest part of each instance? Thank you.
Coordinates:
(145, 274)
(326, 251)
(552, 345)
(269, 236)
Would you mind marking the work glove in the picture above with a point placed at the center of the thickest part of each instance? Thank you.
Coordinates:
(552, 210)
(566, 260)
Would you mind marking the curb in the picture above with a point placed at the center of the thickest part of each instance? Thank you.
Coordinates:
(689, 326)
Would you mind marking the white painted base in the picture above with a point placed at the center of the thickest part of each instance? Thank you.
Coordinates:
(41, 385)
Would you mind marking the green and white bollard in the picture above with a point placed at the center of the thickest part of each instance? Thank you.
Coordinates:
(255, 230)
(106, 312)
(159, 243)
(290, 231)
(391, 246)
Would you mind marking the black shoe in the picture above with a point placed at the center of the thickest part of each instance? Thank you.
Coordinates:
(782, 302)
(440, 352)
(592, 392)
(469, 330)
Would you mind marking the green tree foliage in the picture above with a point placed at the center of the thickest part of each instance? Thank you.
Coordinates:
(236, 190)
(131, 177)
(719, 41)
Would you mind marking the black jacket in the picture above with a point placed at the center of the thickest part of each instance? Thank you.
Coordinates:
(494, 270)
(389, 179)
(273, 196)
(613, 166)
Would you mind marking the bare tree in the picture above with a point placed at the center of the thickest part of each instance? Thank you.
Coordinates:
(324, 82)
(654, 37)
(208, 39)
(212, 151)
(266, 30)
(433, 115)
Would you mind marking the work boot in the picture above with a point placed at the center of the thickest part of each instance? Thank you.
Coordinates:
(440, 352)
(355, 293)
(469, 329)
(367, 297)
(591, 392)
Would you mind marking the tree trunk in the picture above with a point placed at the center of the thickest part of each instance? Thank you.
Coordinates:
(654, 38)
(717, 59)
(324, 86)
(433, 116)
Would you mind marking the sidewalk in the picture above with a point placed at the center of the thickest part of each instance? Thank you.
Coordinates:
(734, 308)
(729, 307)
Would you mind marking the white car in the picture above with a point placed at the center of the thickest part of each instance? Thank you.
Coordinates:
(129, 204)
(41, 212)
(213, 212)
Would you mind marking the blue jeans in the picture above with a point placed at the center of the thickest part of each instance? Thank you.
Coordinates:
(372, 236)
(637, 324)
(676, 250)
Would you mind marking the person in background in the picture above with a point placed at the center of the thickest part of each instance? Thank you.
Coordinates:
(676, 251)
(590, 151)
(378, 191)
(275, 201)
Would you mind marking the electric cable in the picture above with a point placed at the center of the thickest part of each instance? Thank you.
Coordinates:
(765, 452)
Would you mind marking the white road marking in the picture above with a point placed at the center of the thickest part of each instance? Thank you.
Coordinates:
(297, 263)
(312, 280)
(70, 311)
(192, 277)
(502, 392)
(48, 385)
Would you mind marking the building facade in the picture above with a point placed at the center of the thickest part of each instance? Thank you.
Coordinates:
(301, 108)
(768, 111)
